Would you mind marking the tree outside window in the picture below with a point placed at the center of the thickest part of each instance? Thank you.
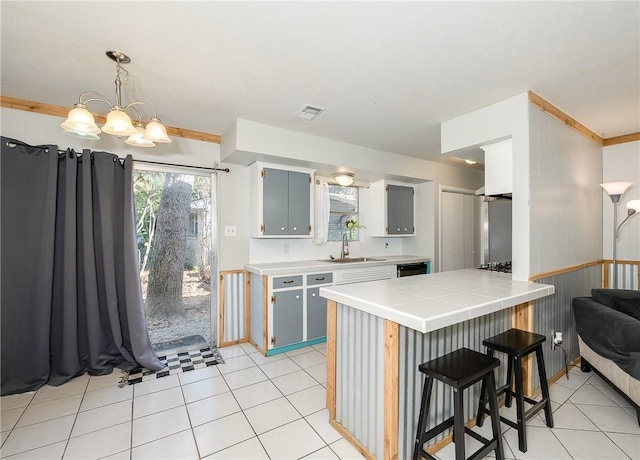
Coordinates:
(343, 208)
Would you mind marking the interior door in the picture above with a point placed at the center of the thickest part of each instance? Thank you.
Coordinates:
(459, 231)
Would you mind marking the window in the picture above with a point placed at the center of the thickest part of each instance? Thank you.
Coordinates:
(192, 230)
(344, 207)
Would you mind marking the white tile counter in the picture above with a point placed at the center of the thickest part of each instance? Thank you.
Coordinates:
(429, 302)
(311, 266)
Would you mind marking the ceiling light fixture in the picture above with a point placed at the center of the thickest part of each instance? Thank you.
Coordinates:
(469, 162)
(80, 123)
(344, 178)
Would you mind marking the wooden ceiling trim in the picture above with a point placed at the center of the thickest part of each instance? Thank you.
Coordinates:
(622, 139)
(559, 115)
(59, 111)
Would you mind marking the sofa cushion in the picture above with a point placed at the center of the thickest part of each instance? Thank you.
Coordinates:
(629, 306)
(606, 296)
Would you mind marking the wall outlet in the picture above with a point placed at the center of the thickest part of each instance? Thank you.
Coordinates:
(229, 230)
(556, 338)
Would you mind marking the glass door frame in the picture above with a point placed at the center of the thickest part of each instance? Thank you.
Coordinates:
(141, 165)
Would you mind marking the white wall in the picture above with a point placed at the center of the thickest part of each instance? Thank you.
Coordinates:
(621, 163)
(233, 197)
(509, 118)
(566, 199)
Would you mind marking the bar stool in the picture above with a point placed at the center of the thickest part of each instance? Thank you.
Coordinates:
(459, 369)
(517, 344)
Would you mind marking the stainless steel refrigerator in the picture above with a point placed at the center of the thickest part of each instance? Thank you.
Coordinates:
(496, 230)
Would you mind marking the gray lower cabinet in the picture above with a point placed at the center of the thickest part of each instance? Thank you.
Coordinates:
(316, 314)
(287, 317)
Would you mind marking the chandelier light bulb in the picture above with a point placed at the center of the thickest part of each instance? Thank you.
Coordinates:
(80, 122)
(138, 139)
(156, 132)
(119, 124)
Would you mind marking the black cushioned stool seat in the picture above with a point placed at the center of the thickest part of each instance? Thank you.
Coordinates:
(517, 344)
(459, 369)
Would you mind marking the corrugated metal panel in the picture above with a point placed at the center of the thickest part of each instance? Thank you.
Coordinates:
(553, 313)
(234, 304)
(359, 377)
(627, 276)
(416, 348)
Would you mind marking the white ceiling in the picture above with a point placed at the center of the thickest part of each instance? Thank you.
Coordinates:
(388, 73)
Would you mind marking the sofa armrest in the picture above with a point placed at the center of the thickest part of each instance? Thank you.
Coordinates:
(610, 333)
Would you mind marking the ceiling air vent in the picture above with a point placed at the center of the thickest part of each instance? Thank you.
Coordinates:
(309, 112)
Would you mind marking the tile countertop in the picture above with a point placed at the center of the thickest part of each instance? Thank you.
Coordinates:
(429, 302)
(313, 266)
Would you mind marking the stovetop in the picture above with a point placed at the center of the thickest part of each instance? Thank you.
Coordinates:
(502, 267)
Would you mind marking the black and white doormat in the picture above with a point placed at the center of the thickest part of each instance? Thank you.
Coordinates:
(176, 363)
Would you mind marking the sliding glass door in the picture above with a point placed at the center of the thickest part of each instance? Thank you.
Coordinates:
(175, 226)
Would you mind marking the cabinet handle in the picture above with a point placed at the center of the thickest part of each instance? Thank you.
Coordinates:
(282, 228)
(295, 228)
(313, 295)
(398, 229)
(320, 279)
(405, 229)
(287, 282)
(297, 297)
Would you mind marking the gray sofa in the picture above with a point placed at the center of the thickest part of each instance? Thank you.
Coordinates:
(608, 326)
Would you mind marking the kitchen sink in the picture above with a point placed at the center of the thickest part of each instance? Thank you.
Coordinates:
(347, 260)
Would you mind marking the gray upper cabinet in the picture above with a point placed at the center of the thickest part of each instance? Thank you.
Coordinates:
(392, 209)
(399, 210)
(281, 201)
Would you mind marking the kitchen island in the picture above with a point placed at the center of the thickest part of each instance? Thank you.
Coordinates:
(379, 332)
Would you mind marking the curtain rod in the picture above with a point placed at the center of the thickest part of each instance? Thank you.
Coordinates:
(12, 143)
(214, 169)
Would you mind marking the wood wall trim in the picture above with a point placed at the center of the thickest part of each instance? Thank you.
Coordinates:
(559, 115)
(391, 350)
(332, 320)
(353, 441)
(621, 139)
(562, 271)
(523, 319)
(60, 111)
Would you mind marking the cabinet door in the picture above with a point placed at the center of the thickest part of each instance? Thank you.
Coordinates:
(275, 201)
(299, 202)
(287, 318)
(316, 314)
(399, 210)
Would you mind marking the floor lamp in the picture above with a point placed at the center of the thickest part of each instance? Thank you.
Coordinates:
(615, 190)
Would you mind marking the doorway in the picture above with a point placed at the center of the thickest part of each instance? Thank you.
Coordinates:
(459, 230)
(176, 234)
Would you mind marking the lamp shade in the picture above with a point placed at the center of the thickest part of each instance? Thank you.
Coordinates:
(119, 124)
(633, 205)
(80, 121)
(156, 132)
(138, 139)
(616, 188)
(344, 179)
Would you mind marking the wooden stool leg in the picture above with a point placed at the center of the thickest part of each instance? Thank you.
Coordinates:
(495, 415)
(482, 404)
(522, 435)
(507, 399)
(544, 387)
(422, 419)
(458, 423)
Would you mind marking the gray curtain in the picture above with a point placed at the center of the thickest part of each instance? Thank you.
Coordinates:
(71, 295)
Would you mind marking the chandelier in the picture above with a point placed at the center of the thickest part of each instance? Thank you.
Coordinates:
(80, 122)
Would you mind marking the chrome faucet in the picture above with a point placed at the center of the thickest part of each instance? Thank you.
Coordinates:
(344, 252)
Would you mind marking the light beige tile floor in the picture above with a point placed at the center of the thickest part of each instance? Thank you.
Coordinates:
(254, 407)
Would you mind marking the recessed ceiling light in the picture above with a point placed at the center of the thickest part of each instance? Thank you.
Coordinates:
(470, 162)
(309, 112)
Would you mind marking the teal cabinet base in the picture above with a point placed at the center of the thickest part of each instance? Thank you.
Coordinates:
(295, 346)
